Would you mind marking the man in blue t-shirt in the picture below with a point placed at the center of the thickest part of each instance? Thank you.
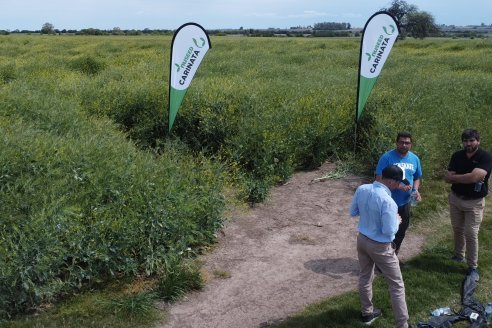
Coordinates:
(410, 164)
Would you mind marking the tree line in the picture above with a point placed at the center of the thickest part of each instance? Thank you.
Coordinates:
(331, 26)
(412, 23)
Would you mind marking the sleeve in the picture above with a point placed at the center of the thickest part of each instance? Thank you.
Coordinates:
(486, 162)
(389, 223)
(452, 163)
(354, 208)
(382, 163)
(418, 171)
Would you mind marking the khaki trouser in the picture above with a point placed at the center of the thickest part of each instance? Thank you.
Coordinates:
(466, 216)
(383, 255)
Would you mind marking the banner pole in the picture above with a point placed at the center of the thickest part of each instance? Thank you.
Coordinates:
(355, 138)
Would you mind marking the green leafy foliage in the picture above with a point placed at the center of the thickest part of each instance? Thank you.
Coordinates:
(109, 306)
(131, 305)
(179, 278)
(7, 72)
(87, 65)
(80, 203)
(93, 187)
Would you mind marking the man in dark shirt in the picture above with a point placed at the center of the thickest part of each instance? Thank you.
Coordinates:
(468, 172)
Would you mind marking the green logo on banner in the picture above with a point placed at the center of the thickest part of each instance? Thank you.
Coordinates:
(190, 44)
(196, 43)
(393, 28)
(379, 35)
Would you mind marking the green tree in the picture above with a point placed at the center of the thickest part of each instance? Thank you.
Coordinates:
(400, 8)
(117, 31)
(48, 28)
(421, 24)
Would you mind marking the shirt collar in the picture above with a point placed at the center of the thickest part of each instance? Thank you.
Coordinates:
(400, 155)
(378, 184)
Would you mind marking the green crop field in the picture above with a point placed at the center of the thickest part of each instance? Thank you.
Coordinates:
(94, 188)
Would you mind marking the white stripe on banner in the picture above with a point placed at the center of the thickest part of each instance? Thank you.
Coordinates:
(378, 37)
(189, 46)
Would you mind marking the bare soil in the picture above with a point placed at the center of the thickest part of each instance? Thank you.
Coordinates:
(272, 260)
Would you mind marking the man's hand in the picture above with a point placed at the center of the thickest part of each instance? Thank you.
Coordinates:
(405, 188)
(448, 176)
(398, 217)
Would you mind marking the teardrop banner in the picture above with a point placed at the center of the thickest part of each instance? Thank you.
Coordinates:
(189, 46)
(378, 37)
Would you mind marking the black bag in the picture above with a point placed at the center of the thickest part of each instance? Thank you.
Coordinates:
(469, 306)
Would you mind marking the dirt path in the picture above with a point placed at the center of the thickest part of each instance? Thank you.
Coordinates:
(295, 249)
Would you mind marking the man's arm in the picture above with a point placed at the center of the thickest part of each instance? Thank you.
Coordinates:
(382, 163)
(416, 187)
(476, 175)
(354, 209)
(390, 220)
(401, 187)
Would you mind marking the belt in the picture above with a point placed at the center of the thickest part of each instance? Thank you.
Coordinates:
(463, 197)
(379, 242)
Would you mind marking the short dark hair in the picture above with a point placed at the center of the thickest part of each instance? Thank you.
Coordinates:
(404, 135)
(393, 172)
(470, 134)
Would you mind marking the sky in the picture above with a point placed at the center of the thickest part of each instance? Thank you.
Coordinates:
(220, 14)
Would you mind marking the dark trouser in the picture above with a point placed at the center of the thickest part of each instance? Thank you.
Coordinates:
(404, 212)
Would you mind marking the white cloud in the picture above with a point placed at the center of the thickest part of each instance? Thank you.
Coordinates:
(309, 14)
(261, 15)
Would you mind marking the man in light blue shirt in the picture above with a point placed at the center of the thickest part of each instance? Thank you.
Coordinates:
(378, 224)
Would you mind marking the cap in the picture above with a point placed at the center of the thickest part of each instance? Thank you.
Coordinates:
(393, 172)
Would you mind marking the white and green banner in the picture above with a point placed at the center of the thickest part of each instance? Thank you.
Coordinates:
(189, 46)
(378, 37)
